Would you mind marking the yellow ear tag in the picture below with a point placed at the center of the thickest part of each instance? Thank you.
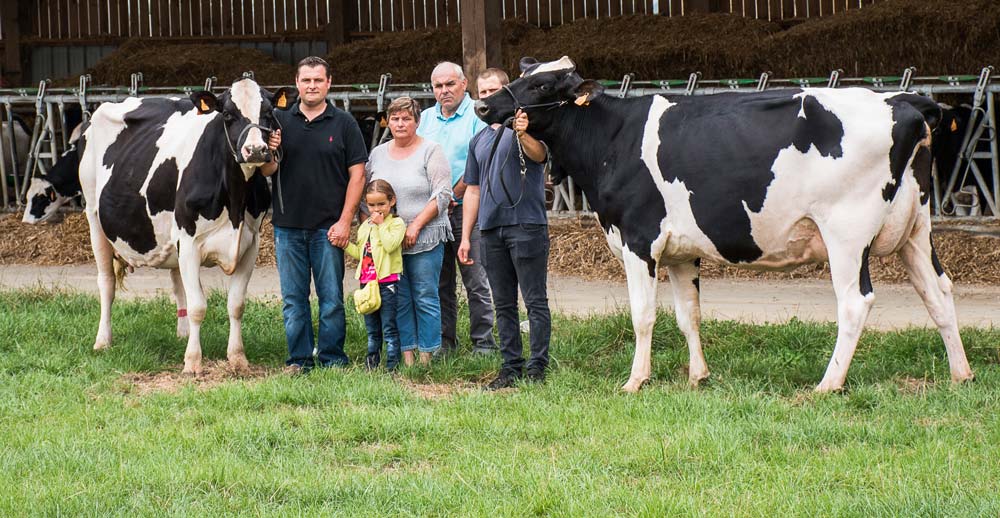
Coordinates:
(204, 106)
(382, 123)
(954, 125)
(282, 101)
(582, 100)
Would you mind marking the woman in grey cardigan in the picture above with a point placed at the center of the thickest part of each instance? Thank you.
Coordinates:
(419, 173)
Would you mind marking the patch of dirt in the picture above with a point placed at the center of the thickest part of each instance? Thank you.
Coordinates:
(214, 373)
(910, 385)
(970, 255)
(435, 391)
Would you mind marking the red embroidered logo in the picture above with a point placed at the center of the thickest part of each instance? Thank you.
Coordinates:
(331, 138)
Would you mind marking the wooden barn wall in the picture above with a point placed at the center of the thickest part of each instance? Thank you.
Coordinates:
(117, 19)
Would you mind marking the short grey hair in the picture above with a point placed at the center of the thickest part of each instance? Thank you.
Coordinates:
(448, 67)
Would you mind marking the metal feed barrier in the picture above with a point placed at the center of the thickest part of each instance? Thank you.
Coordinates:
(50, 134)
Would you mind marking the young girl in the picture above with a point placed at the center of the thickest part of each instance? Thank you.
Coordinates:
(380, 255)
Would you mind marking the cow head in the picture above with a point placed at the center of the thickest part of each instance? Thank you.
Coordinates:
(541, 88)
(43, 198)
(247, 118)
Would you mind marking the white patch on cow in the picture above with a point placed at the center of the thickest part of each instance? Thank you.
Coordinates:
(245, 94)
(39, 186)
(563, 63)
(614, 237)
(106, 123)
(680, 235)
(838, 196)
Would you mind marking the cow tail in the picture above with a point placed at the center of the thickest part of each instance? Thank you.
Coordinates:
(121, 269)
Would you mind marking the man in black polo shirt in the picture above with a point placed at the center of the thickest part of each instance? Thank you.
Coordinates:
(316, 191)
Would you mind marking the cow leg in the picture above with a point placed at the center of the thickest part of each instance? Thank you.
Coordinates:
(182, 321)
(237, 299)
(685, 284)
(852, 284)
(642, 300)
(934, 287)
(190, 266)
(103, 256)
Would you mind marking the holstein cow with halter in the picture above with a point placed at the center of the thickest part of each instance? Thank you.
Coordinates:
(769, 180)
(173, 183)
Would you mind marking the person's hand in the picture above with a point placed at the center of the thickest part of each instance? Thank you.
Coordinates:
(520, 122)
(339, 234)
(463, 253)
(274, 140)
(410, 238)
(377, 218)
(451, 206)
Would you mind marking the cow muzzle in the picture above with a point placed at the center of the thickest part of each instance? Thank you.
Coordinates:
(256, 154)
(482, 109)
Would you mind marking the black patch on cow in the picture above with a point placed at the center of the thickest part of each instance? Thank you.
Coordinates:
(723, 148)
(922, 172)
(935, 261)
(122, 208)
(908, 129)
(865, 278)
(213, 181)
(65, 175)
(162, 190)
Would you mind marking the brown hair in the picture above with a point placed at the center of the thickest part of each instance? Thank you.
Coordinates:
(494, 72)
(404, 104)
(313, 61)
(381, 186)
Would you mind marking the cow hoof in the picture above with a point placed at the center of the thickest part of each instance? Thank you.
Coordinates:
(101, 345)
(191, 372)
(633, 385)
(824, 388)
(965, 378)
(239, 366)
(694, 381)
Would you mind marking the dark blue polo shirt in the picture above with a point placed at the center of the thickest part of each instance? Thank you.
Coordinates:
(315, 156)
(494, 205)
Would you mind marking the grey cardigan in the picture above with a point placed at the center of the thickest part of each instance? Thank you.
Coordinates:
(423, 176)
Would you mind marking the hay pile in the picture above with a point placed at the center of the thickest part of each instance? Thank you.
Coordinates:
(186, 65)
(578, 249)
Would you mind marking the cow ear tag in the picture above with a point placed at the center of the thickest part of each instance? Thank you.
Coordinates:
(954, 125)
(383, 123)
(282, 101)
(203, 106)
(582, 100)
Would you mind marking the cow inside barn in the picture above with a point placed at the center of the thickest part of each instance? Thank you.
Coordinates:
(21, 136)
(949, 140)
(768, 180)
(173, 183)
(56, 188)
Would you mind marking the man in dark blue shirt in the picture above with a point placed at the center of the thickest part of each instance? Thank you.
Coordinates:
(510, 209)
(316, 191)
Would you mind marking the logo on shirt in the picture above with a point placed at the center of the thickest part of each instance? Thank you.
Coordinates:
(331, 138)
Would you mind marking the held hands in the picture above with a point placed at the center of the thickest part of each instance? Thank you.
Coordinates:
(463, 253)
(339, 234)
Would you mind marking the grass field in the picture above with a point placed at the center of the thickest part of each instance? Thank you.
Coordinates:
(80, 438)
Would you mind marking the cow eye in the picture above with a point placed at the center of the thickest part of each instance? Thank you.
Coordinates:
(544, 88)
(227, 116)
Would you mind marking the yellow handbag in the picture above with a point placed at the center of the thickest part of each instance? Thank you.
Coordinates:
(368, 298)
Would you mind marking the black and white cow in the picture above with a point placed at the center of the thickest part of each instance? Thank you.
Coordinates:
(769, 180)
(57, 187)
(172, 183)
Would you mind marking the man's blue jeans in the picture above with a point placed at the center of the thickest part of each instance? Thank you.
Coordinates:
(418, 306)
(303, 253)
(381, 325)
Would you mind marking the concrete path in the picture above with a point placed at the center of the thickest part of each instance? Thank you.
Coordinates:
(896, 306)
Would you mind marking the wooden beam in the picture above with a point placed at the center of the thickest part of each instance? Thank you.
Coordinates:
(481, 37)
(338, 28)
(12, 65)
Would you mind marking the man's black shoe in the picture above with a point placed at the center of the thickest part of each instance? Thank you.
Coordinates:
(372, 361)
(504, 380)
(535, 375)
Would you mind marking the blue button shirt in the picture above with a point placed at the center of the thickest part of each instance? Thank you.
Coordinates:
(452, 133)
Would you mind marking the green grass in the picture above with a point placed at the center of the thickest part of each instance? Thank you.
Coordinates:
(79, 440)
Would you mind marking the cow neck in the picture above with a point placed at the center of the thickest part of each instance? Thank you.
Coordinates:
(582, 138)
(232, 182)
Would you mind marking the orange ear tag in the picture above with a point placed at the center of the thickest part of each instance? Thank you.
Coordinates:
(204, 106)
(582, 100)
(282, 101)
(954, 125)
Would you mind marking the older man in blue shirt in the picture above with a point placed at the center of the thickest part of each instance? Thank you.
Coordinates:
(452, 123)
